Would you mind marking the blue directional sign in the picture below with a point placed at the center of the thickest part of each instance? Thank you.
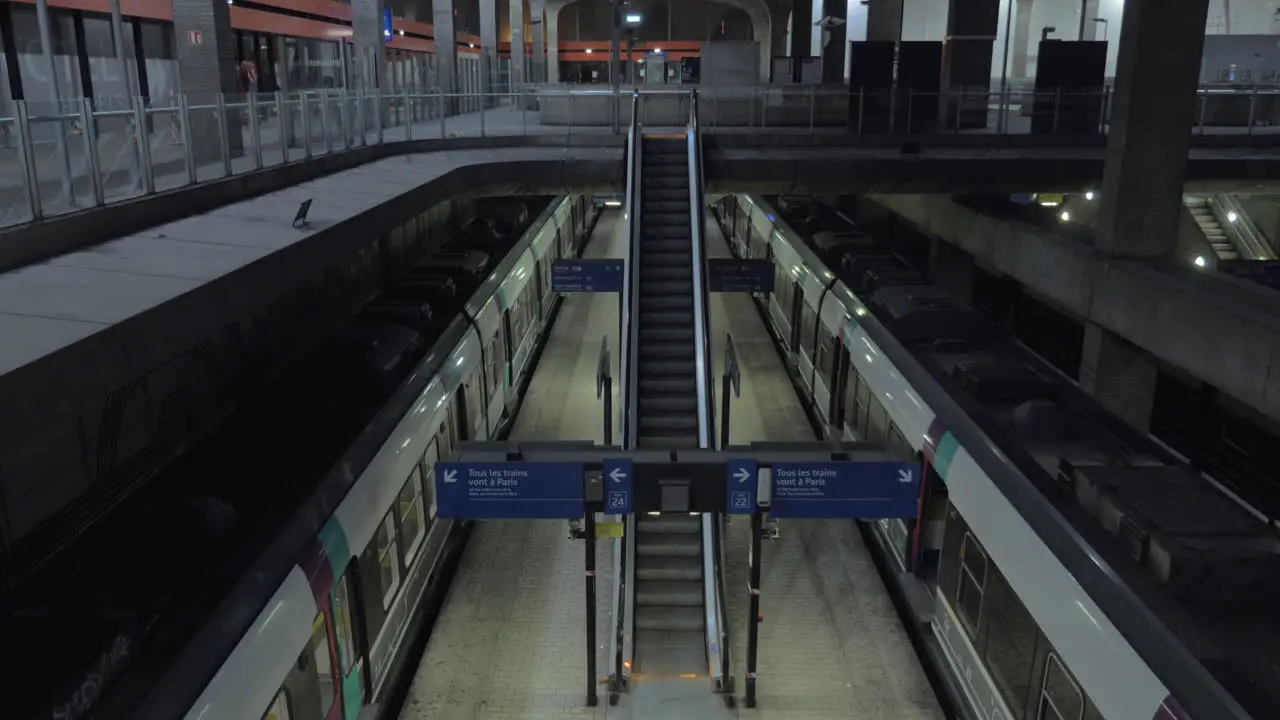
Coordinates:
(619, 478)
(388, 27)
(509, 490)
(859, 490)
(587, 275)
(740, 492)
(744, 276)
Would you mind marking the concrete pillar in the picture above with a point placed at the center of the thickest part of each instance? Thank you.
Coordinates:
(536, 13)
(206, 68)
(369, 44)
(488, 43)
(1153, 108)
(1088, 11)
(1121, 376)
(553, 42)
(884, 20)
(515, 14)
(833, 51)
(801, 28)
(446, 46)
(1021, 38)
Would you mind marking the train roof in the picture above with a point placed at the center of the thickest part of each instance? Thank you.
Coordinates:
(230, 598)
(1204, 564)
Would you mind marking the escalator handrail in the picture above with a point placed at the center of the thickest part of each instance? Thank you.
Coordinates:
(701, 302)
(624, 558)
(713, 566)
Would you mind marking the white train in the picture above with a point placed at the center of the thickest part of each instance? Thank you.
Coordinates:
(325, 637)
(1078, 570)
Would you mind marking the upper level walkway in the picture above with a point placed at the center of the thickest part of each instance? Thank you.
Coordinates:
(58, 174)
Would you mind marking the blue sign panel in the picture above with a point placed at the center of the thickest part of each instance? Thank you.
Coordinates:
(619, 476)
(740, 492)
(859, 490)
(744, 276)
(388, 30)
(509, 490)
(587, 275)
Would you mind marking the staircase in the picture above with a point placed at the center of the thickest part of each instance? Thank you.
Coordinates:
(1209, 225)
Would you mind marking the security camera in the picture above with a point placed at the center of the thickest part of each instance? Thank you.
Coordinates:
(830, 23)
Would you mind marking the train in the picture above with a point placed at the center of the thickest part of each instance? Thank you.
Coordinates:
(282, 571)
(1075, 568)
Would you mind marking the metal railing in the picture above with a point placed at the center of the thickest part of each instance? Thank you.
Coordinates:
(78, 154)
(1244, 233)
(620, 650)
(712, 581)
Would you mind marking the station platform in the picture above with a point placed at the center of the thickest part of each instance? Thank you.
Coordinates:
(509, 641)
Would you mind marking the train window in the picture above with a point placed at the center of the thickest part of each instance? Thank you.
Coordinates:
(973, 582)
(1010, 646)
(1060, 695)
(851, 397)
(877, 421)
(413, 525)
(327, 686)
(279, 709)
(898, 445)
(342, 620)
(864, 399)
(388, 560)
(822, 360)
(475, 405)
(807, 318)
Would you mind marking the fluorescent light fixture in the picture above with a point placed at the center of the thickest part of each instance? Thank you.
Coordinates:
(1200, 261)
(613, 203)
(633, 18)
(1232, 216)
(1064, 216)
(1088, 195)
(657, 51)
(588, 51)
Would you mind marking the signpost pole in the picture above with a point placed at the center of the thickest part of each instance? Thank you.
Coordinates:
(753, 623)
(590, 527)
(604, 389)
(732, 381)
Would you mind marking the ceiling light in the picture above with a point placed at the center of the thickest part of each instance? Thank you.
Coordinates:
(1064, 216)
(1200, 262)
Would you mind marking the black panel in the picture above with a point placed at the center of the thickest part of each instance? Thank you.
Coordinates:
(1069, 87)
(968, 64)
(870, 85)
(973, 17)
(919, 85)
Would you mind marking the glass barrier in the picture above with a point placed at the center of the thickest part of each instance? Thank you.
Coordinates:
(72, 155)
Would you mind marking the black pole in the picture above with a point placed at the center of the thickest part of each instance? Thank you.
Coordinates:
(592, 698)
(726, 384)
(608, 410)
(753, 623)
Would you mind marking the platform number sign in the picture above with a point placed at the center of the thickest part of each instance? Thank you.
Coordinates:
(619, 479)
(740, 490)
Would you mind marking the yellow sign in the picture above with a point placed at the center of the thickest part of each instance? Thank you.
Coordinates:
(609, 529)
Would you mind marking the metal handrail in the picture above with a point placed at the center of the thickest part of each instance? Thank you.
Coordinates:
(713, 582)
(624, 559)
(1246, 234)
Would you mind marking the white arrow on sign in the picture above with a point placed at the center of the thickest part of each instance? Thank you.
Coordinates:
(617, 475)
(904, 475)
(741, 474)
(450, 476)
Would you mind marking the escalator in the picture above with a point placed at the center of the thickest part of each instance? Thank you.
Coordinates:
(671, 562)
(668, 399)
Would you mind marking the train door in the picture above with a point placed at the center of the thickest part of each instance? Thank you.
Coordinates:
(350, 661)
(837, 381)
(796, 308)
(319, 662)
(508, 359)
